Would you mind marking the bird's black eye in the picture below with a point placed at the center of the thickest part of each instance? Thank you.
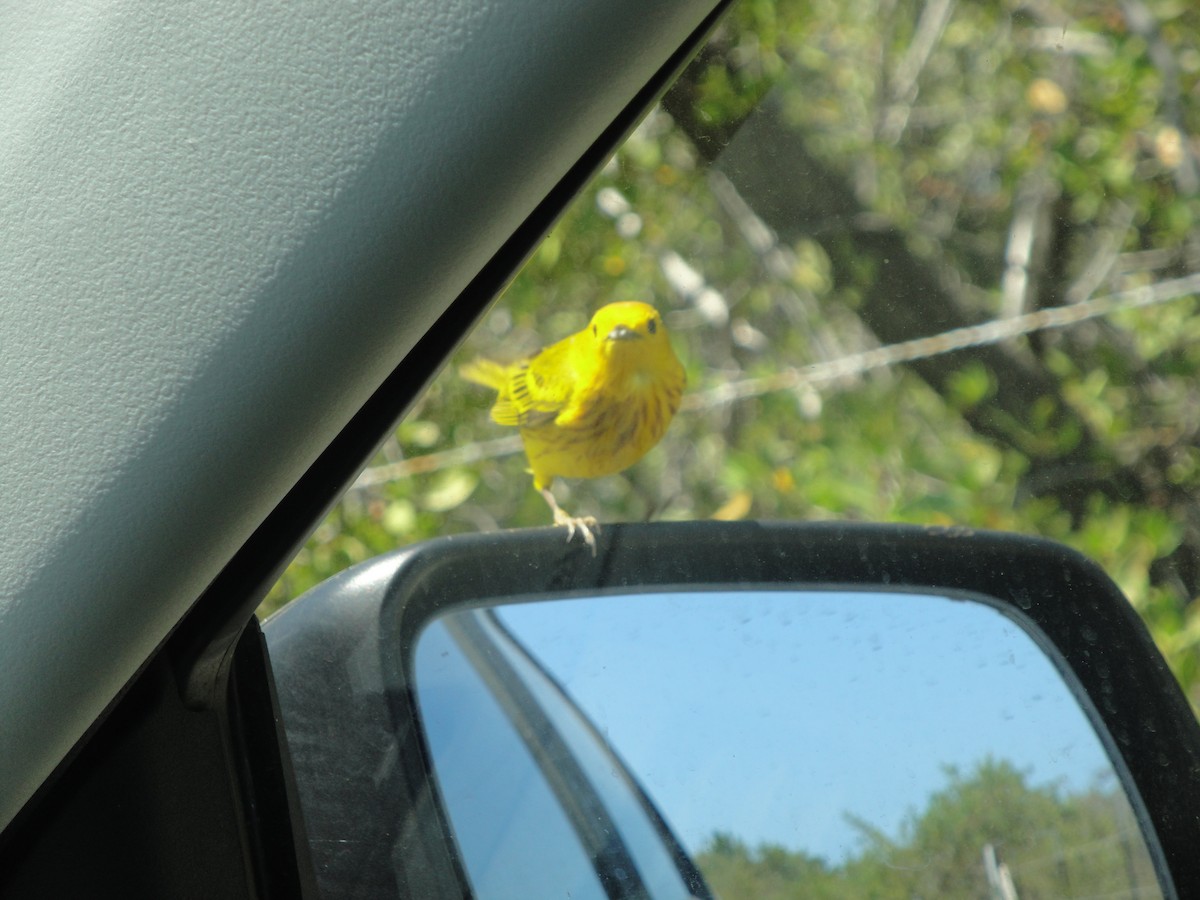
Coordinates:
(593, 331)
(652, 326)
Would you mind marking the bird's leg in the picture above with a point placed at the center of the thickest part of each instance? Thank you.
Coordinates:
(585, 525)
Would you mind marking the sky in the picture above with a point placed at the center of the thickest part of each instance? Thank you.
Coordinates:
(770, 716)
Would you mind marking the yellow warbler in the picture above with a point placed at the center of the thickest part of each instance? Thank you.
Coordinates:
(591, 404)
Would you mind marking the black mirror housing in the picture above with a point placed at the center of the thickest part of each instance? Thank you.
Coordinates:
(352, 722)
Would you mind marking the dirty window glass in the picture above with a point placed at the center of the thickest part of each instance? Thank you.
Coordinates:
(921, 262)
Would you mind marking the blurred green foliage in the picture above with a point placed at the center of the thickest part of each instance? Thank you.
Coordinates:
(1025, 154)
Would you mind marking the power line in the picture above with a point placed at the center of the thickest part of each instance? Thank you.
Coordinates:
(991, 332)
(848, 366)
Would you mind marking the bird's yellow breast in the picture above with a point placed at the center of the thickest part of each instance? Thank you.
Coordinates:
(613, 429)
(593, 403)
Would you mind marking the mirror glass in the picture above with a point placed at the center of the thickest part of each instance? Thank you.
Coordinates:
(768, 744)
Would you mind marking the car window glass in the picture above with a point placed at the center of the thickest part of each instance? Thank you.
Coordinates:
(922, 262)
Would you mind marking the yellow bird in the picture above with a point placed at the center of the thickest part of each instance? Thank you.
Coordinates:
(591, 404)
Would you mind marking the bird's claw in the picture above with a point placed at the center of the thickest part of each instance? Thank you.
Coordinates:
(585, 525)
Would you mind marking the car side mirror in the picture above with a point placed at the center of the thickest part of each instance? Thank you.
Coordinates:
(702, 706)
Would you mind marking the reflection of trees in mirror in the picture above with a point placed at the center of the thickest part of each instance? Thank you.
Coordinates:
(1053, 843)
(807, 724)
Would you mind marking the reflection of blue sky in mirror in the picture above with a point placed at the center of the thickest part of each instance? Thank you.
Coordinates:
(771, 715)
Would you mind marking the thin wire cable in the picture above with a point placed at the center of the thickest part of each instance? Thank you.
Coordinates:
(993, 332)
(844, 367)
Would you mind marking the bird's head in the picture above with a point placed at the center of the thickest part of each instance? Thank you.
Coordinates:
(629, 330)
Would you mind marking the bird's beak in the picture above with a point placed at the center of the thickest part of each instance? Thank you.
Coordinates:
(623, 333)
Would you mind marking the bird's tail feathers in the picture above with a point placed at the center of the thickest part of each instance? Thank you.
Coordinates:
(486, 372)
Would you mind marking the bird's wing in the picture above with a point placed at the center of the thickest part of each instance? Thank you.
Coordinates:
(536, 390)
